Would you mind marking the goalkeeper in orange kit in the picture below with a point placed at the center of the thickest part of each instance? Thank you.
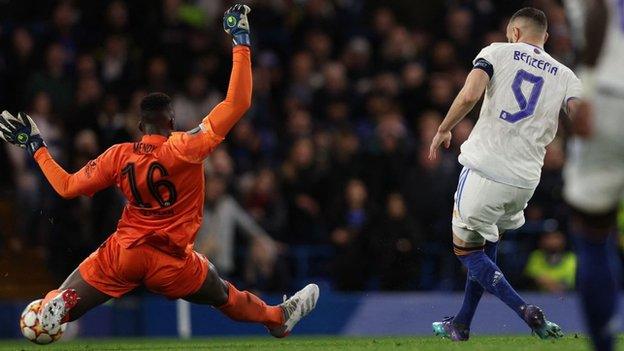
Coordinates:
(162, 178)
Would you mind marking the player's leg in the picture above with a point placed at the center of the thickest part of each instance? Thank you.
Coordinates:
(480, 205)
(70, 301)
(515, 200)
(244, 306)
(473, 292)
(214, 291)
(484, 271)
(107, 273)
(598, 274)
(457, 328)
(594, 182)
(238, 305)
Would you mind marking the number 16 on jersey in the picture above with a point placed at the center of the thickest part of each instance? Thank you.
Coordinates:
(153, 185)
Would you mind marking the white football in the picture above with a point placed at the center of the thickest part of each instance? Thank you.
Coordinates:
(32, 329)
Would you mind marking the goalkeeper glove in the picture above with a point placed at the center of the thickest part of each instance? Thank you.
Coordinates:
(20, 131)
(235, 23)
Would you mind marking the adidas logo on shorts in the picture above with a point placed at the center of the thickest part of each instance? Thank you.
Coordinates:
(497, 277)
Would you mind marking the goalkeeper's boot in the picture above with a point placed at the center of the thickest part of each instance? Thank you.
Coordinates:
(295, 308)
(534, 317)
(54, 311)
(446, 329)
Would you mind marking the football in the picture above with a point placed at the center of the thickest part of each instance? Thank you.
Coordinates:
(32, 329)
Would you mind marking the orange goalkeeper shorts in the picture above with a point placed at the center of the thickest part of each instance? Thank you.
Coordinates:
(115, 270)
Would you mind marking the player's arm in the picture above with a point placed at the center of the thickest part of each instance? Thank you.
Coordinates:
(238, 98)
(195, 145)
(581, 111)
(23, 132)
(595, 31)
(94, 176)
(465, 101)
(572, 106)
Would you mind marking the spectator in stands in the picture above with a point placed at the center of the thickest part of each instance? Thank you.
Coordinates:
(117, 18)
(388, 160)
(303, 187)
(118, 69)
(221, 164)
(246, 148)
(31, 190)
(428, 186)
(551, 266)
(112, 127)
(21, 62)
(194, 103)
(53, 79)
(397, 240)
(216, 237)
(266, 205)
(351, 237)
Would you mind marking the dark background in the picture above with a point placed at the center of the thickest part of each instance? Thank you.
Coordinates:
(330, 160)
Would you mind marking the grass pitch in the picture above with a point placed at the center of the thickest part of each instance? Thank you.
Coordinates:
(483, 343)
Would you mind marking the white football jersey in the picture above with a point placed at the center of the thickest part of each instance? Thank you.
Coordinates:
(519, 115)
(610, 68)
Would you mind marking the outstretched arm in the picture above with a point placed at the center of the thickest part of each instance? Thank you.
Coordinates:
(194, 146)
(94, 176)
(465, 101)
(238, 99)
(581, 112)
(23, 132)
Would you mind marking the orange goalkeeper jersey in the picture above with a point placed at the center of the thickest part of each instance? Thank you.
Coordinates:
(161, 177)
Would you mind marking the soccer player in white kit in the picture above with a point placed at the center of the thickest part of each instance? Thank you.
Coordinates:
(525, 89)
(594, 172)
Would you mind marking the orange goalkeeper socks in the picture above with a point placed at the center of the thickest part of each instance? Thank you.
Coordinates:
(243, 306)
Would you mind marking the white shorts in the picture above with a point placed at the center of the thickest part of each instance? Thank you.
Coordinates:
(594, 172)
(485, 208)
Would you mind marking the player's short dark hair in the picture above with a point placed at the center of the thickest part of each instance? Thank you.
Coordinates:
(536, 16)
(153, 106)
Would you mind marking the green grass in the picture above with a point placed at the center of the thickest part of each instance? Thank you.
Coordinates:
(483, 343)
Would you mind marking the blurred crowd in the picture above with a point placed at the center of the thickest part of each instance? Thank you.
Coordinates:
(327, 175)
